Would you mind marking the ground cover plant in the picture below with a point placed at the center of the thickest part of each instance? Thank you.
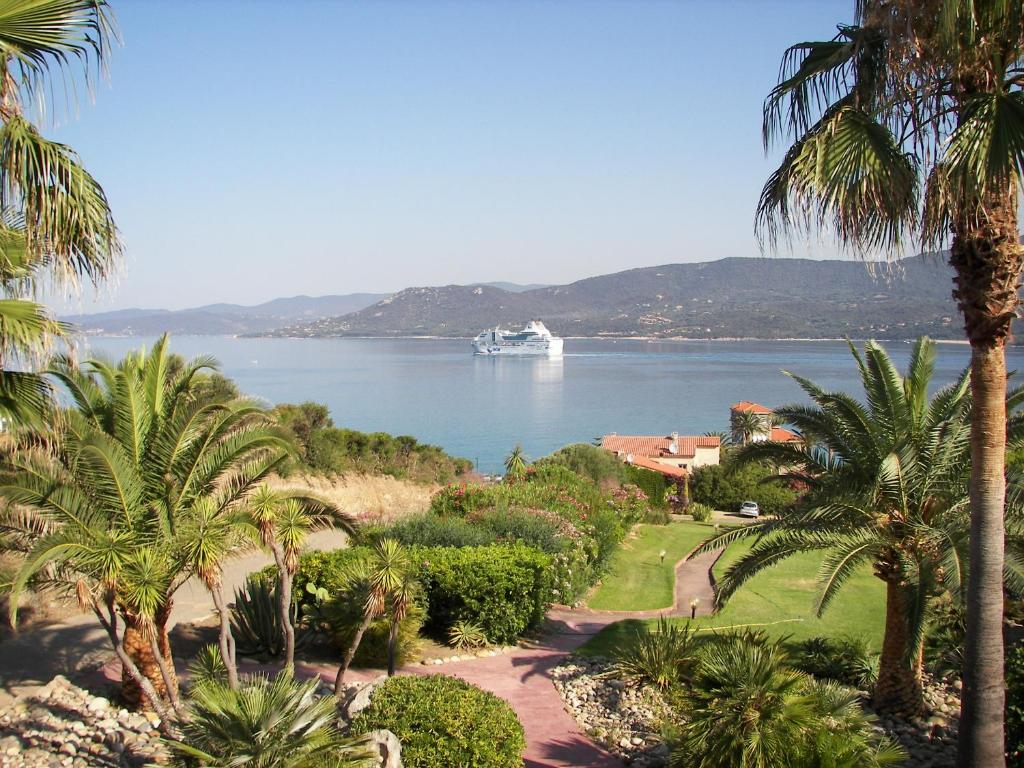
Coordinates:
(638, 578)
(442, 721)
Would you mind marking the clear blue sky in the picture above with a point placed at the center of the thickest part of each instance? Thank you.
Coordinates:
(258, 149)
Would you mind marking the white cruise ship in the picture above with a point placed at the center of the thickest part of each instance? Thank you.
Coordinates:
(534, 339)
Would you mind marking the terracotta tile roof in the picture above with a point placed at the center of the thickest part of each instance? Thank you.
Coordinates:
(780, 435)
(748, 407)
(657, 445)
(654, 466)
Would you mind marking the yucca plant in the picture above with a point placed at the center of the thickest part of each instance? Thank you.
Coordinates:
(277, 723)
(208, 667)
(466, 634)
(664, 657)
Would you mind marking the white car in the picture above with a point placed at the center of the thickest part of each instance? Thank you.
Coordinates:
(749, 509)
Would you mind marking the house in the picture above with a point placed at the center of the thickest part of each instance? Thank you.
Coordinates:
(672, 455)
(752, 423)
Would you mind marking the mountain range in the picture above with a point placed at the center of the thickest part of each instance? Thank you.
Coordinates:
(730, 298)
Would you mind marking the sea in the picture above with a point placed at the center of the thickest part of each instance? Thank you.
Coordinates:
(481, 407)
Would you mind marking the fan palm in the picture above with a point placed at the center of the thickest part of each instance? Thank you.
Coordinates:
(747, 708)
(282, 520)
(135, 464)
(909, 124)
(887, 488)
(55, 222)
(265, 724)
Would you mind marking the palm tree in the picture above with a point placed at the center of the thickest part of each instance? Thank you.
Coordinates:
(747, 708)
(283, 520)
(887, 488)
(515, 463)
(130, 466)
(909, 124)
(55, 224)
(280, 723)
(387, 587)
(747, 425)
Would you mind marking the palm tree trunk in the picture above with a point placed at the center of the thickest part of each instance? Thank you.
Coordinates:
(987, 256)
(137, 646)
(898, 689)
(392, 642)
(226, 639)
(351, 652)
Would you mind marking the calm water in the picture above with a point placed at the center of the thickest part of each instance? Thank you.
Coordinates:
(480, 407)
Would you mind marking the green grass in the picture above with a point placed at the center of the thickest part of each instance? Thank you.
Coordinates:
(637, 580)
(781, 600)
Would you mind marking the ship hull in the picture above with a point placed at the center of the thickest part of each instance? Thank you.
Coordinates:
(549, 348)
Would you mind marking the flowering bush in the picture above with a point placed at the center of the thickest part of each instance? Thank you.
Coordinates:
(630, 502)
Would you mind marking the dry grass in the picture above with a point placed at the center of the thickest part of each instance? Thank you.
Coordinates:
(371, 498)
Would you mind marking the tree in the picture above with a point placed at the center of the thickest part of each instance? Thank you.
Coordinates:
(282, 520)
(909, 125)
(133, 466)
(278, 722)
(387, 587)
(55, 224)
(747, 425)
(887, 488)
(515, 463)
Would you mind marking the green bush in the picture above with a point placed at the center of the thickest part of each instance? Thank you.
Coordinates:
(701, 513)
(845, 660)
(1015, 706)
(433, 531)
(654, 484)
(442, 721)
(343, 615)
(504, 589)
(725, 487)
(589, 461)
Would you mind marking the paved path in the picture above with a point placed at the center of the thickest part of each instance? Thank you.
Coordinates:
(521, 677)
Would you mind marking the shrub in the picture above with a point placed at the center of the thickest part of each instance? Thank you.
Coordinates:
(663, 657)
(442, 721)
(435, 531)
(630, 503)
(505, 589)
(343, 615)
(596, 464)
(701, 513)
(1015, 706)
(657, 516)
(726, 487)
(654, 484)
(845, 660)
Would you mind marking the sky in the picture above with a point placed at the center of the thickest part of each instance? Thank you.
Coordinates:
(254, 149)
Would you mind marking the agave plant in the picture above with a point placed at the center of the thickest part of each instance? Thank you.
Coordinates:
(466, 634)
(256, 620)
(664, 657)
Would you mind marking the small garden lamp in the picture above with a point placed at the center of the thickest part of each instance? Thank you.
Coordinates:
(693, 607)
(662, 555)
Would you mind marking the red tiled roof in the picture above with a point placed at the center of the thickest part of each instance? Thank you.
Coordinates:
(654, 466)
(780, 435)
(657, 446)
(748, 407)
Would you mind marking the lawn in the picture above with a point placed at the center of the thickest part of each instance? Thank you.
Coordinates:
(781, 601)
(637, 579)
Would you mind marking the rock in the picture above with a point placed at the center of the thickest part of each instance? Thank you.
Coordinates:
(357, 697)
(388, 748)
(68, 749)
(98, 704)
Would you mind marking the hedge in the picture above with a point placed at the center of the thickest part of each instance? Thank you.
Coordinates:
(504, 589)
(442, 721)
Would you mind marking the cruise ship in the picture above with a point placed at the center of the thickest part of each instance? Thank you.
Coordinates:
(534, 339)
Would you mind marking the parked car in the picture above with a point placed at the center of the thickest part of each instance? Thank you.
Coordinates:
(749, 509)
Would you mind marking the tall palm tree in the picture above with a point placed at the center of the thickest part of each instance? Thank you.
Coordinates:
(282, 520)
(279, 722)
(909, 125)
(515, 463)
(747, 425)
(887, 489)
(130, 466)
(55, 223)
